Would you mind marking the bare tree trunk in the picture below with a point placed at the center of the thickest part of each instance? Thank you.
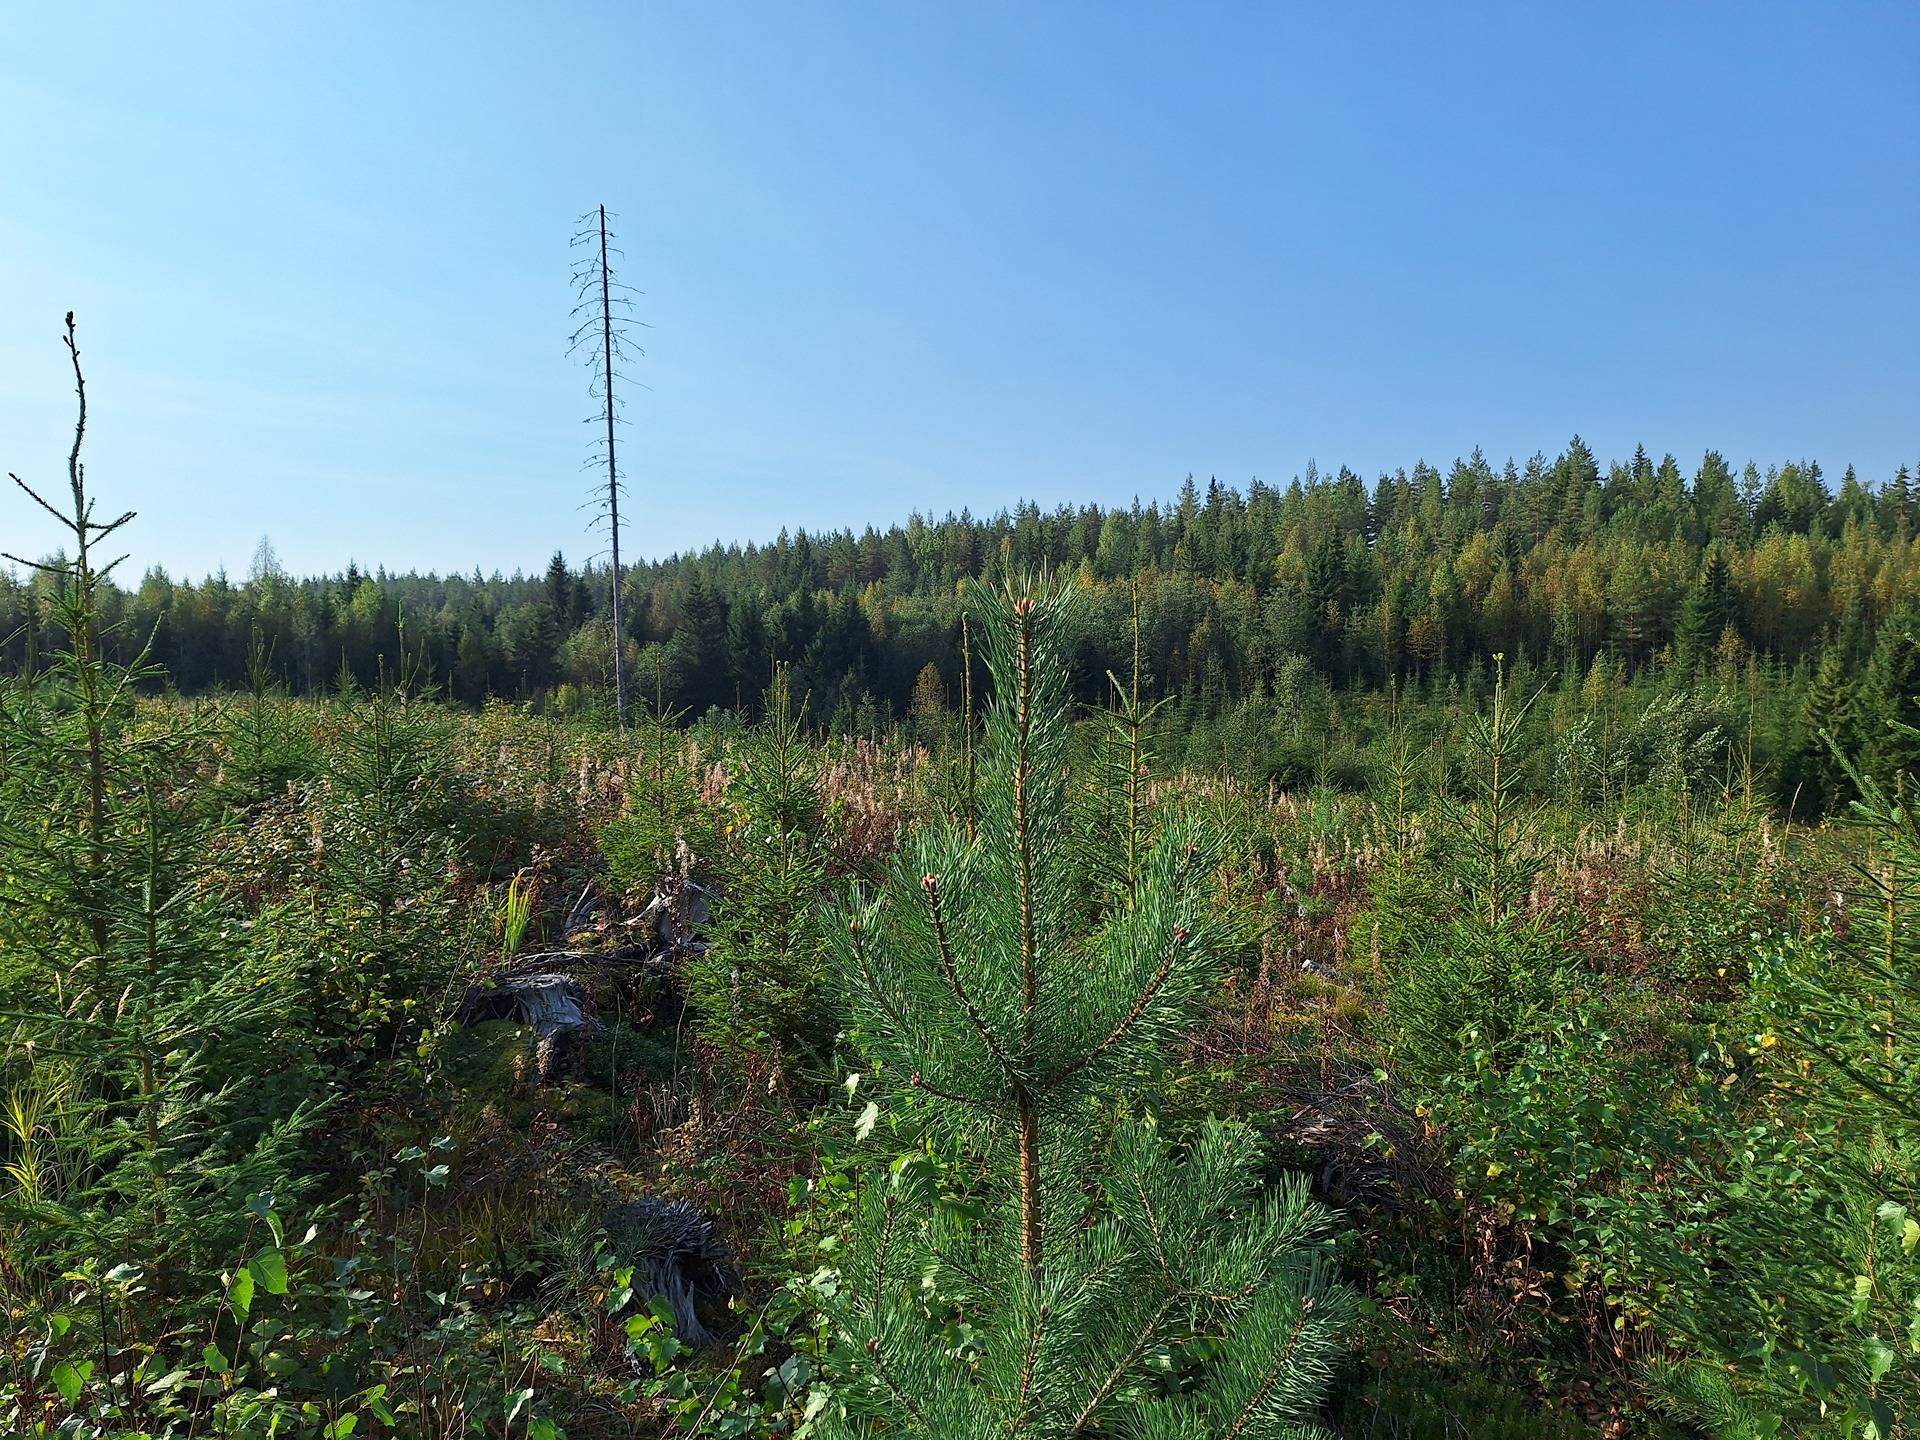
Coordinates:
(613, 476)
(603, 314)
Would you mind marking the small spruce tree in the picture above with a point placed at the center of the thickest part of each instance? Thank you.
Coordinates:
(136, 1001)
(1816, 774)
(758, 986)
(1472, 968)
(1790, 1269)
(1114, 801)
(265, 746)
(1707, 610)
(1889, 718)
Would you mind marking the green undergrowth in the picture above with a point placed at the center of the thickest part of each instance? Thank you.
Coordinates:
(1515, 1067)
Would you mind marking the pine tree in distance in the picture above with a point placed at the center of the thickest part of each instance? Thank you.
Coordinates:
(1091, 1253)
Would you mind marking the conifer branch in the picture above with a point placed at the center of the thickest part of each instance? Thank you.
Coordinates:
(38, 499)
(1276, 1372)
(1153, 1225)
(880, 997)
(1104, 1392)
(1034, 1339)
(44, 569)
(900, 1392)
(920, 1082)
(974, 1277)
(1130, 1019)
(931, 885)
(889, 1206)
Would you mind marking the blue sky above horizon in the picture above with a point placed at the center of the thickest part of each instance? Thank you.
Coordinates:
(904, 258)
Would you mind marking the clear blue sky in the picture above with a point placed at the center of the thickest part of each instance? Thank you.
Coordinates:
(905, 256)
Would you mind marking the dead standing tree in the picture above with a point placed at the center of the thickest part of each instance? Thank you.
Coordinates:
(604, 321)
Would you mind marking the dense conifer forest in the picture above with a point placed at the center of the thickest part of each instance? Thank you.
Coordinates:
(1780, 607)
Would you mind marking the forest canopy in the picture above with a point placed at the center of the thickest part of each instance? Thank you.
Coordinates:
(1640, 568)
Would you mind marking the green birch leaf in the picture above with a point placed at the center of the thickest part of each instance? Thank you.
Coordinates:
(269, 1267)
(68, 1381)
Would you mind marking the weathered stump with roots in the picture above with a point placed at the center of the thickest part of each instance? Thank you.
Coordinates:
(553, 1005)
(674, 1254)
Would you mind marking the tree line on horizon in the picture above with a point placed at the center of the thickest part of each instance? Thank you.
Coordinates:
(1557, 564)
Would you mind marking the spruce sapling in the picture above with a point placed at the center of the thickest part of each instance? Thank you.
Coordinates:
(133, 1005)
(758, 986)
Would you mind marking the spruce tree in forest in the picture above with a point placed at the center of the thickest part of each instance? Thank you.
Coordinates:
(134, 1003)
(747, 642)
(758, 986)
(1326, 598)
(700, 648)
(1829, 724)
(1089, 1247)
(1889, 700)
(1716, 500)
(1707, 610)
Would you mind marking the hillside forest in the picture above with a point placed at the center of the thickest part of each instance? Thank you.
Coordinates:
(1418, 960)
(1765, 605)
